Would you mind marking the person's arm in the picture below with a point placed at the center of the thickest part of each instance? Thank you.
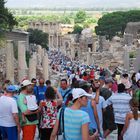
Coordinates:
(97, 95)
(60, 99)
(16, 118)
(126, 124)
(93, 103)
(55, 130)
(85, 133)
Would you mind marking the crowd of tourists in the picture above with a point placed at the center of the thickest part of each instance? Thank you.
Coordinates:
(89, 104)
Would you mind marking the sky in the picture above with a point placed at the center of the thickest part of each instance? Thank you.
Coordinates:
(71, 3)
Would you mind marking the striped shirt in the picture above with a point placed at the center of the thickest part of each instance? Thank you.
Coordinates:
(73, 121)
(120, 102)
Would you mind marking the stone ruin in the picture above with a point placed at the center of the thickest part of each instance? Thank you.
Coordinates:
(15, 70)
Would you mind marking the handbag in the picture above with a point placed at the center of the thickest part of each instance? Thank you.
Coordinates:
(60, 134)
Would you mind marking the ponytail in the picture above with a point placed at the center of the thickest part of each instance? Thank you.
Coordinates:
(135, 113)
(134, 107)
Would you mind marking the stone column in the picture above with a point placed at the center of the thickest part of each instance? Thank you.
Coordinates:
(126, 60)
(45, 67)
(39, 55)
(88, 58)
(137, 61)
(32, 66)
(10, 61)
(22, 66)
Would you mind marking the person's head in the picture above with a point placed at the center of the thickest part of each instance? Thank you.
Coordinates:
(80, 97)
(134, 104)
(11, 90)
(27, 86)
(133, 77)
(34, 81)
(84, 85)
(102, 80)
(50, 93)
(63, 84)
(41, 82)
(109, 82)
(114, 77)
(121, 88)
(48, 83)
(96, 84)
(125, 75)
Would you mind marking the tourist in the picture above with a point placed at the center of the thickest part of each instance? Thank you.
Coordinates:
(28, 126)
(40, 90)
(9, 120)
(49, 112)
(75, 120)
(132, 122)
(108, 116)
(120, 103)
(91, 108)
(115, 84)
(48, 83)
(64, 90)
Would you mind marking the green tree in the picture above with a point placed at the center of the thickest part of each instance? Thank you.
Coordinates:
(77, 29)
(80, 17)
(7, 20)
(112, 24)
(38, 37)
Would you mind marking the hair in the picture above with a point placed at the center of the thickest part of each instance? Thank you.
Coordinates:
(134, 107)
(33, 79)
(125, 75)
(121, 88)
(50, 93)
(64, 80)
(48, 82)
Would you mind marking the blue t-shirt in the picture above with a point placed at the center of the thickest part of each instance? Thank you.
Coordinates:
(73, 121)
(39, 92)
(62, 92)
(89, 110)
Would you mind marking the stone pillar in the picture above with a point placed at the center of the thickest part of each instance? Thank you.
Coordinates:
(22, 66)
(137, 61)
(49, 41)
(88, 58)
(32, 66)
(39, 55)
(126, 60)
(45, 67)
(10, 61)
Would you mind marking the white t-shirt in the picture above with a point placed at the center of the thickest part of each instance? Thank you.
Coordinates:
(8, 106)
(31, 102)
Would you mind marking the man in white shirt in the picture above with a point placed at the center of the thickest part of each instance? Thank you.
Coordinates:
(9, 121)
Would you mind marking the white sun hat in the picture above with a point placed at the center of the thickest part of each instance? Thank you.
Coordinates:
(79, 92)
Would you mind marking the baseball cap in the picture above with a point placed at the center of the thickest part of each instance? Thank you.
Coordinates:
(109, 80)
(11, 88)
(25, 83)
(79, 92)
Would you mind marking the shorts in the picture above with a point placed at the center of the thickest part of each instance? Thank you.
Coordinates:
(9, 133)
(108, 120)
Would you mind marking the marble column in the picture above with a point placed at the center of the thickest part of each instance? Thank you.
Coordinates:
(22, 65)
(10, 61)
(137, 61)
(32, 66)
(126, 60)
(45, 67)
